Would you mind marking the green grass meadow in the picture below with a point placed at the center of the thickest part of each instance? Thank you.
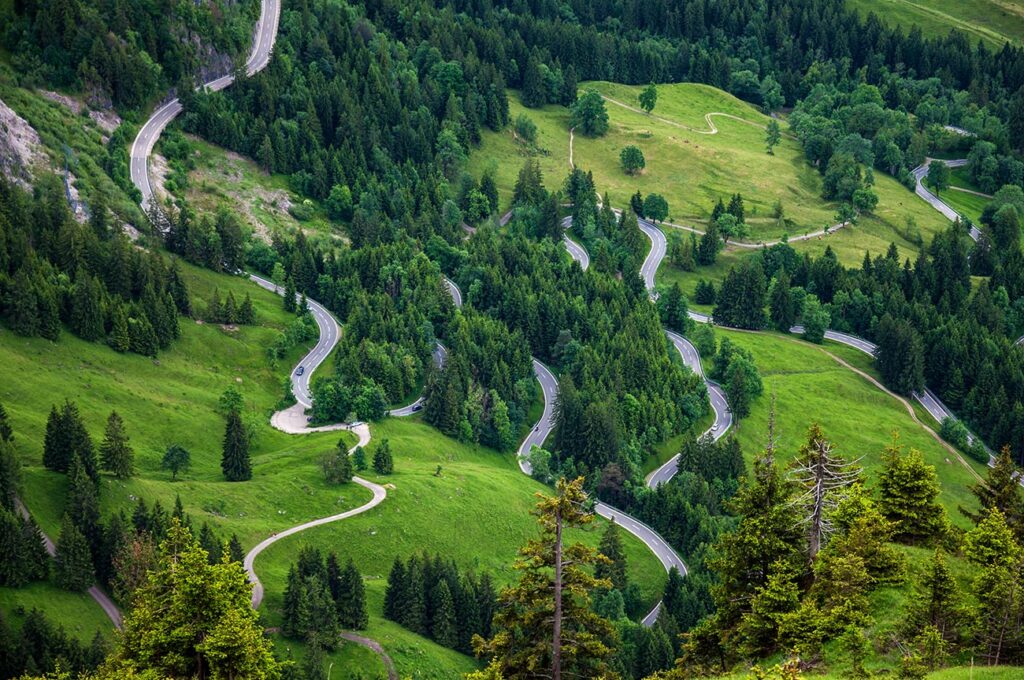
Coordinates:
(476, 511)
(992, 21)
(858, 417)
(694, 170)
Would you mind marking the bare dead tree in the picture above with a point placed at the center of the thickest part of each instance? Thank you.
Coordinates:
(822, 474)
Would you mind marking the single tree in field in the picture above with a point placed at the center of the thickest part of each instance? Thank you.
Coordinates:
(73, 561)
(822, 476)
(632, 159)
(235, 463)
(336, 465)
(116, 454)
(383, 463)
(589, 115)
(655, 207)
(909, 491)
(545, 624)
(359, 459)
(193, 619)
(648, 98)
(938, 176)
(176, 459)
(772, 136)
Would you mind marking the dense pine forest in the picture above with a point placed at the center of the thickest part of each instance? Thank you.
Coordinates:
(188, 482)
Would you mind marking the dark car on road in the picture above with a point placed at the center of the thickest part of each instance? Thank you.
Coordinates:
(300, 370)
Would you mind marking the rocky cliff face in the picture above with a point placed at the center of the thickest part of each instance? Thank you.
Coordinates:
(21, 151)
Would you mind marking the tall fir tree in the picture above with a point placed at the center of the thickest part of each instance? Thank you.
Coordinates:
(383, 463)
(116, 455)
(351, 599)
(909, 491)
(545, 623)
(235, 463)
(73, 561)
(444, 628)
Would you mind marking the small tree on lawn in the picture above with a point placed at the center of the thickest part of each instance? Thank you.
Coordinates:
(655, 207)
(176, 459)
(383, 464)
(648, 98)
(772, 136)
(589, 115)
(632, 159)
(235, 463)
(336, 466)
(359, 458)
(938, 176)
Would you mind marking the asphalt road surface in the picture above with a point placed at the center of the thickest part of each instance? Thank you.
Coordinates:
(659, 245)
(330, 333)
(540, 432)
(262, 47)
(440, 356)
(920, 172)
(719, 405)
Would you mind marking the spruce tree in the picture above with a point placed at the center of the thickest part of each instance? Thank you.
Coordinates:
(444, 628)
(413, 612)
(230, 312)
(119, 339)
(72, 561)
(318, 616)
(215, 310)
(383, 464)
(359, 458)
(545, 622)
(351, 600)
(293, 593)
(395, 592)
(289, 295)
(56, 448)
(909, 491)
(313, 664)
(82, 505)
(938, 602)
(1001, 491)
(235, 463)
(235, 549)
(783, 312)
(611, 547)
(12, 562)
(246, 313)
(116, 454)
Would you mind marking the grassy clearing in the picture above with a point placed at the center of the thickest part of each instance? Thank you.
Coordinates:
(174, 400)
(855, 414)
(993, 21)
(476, 511)
(222, 178)
(693, 170)
(78, 613)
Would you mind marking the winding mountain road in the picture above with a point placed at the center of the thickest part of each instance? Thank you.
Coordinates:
(262, 47)
(920, 172)
(142, 147)
(928, 399)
